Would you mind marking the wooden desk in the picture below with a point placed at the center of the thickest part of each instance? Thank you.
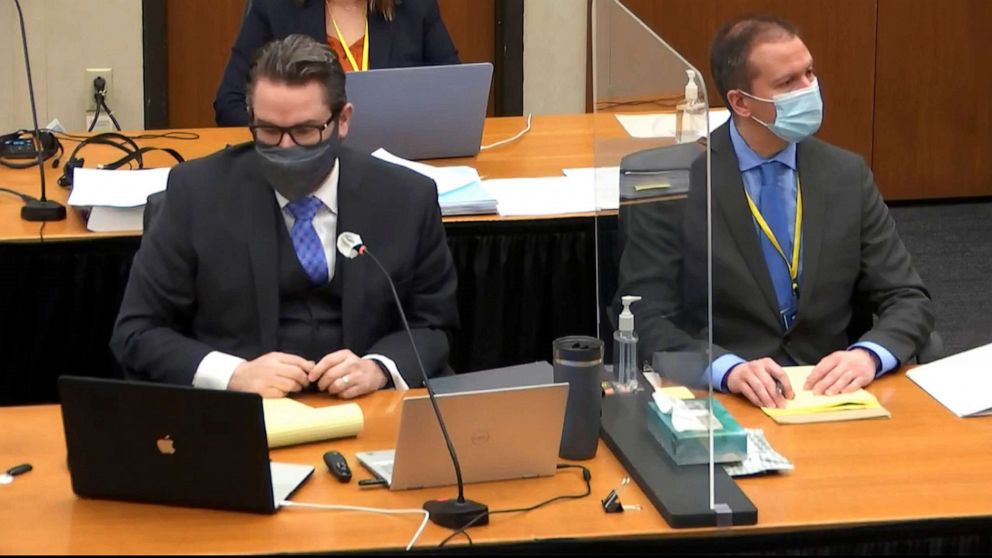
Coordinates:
(554, 143)
(921, 466)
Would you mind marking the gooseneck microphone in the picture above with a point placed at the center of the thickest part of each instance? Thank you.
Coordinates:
(453, 514)
(41, 209)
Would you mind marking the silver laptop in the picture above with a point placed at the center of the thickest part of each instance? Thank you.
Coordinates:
(174, 445)
(498, 434)
(424, 112)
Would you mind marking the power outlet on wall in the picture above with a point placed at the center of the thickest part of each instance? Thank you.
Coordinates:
(91, 74)
(103, 123)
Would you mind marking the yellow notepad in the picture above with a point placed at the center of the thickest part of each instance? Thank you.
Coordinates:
(807, 407)
(289, 422)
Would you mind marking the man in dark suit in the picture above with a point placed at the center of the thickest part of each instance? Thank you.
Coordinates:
(801, 238)
(400, 34)
(237, 284)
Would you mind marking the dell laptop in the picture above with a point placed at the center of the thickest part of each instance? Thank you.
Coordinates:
(498, 434)
(174, 445)
(424, 112)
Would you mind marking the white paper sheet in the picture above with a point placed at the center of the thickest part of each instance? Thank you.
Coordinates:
(961, 382)
(447, 179)
(604, 180)
(115, 188)
(115, 219)
(552, 195)
(662, 125)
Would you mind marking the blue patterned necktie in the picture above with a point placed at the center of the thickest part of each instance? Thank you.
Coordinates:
(309, 249)
(772, 203)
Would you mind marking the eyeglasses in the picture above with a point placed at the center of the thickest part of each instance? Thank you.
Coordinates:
(301, 134)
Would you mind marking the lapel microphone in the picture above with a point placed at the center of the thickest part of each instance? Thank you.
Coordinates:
(453, 514)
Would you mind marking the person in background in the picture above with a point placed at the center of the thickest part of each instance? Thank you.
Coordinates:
(365, 34)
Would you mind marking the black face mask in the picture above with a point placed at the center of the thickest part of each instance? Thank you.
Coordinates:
(296, 172)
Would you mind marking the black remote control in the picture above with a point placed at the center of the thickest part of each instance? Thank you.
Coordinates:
(337, 465)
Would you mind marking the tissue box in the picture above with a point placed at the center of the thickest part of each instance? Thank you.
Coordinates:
(692, 447)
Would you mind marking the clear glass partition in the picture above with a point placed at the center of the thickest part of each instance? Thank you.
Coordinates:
(655, 243)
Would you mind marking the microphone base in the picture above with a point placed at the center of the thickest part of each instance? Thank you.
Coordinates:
(453, 514)
(47, 210)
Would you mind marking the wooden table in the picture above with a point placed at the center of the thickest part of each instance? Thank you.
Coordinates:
(921, 467)
(554, 143)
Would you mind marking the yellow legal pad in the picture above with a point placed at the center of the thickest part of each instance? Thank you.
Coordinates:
(807, 407)
(677, 392)
(289, 422)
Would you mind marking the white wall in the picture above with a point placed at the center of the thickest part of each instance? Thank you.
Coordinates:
(64, 38)
(555, 56)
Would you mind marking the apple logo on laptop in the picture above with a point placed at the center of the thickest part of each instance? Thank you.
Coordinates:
(166, 445)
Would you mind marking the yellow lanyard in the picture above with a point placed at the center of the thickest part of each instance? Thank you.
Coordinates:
(793, 265)
(347, 51)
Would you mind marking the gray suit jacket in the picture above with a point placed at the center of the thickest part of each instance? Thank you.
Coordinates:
(853, 266)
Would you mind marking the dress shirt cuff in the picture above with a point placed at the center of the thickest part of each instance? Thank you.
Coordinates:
(215, 370)
(390, 366)
(720, 369)
(886, 360)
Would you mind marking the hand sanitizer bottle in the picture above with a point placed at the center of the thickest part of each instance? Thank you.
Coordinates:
(690, 116)
(625, 350)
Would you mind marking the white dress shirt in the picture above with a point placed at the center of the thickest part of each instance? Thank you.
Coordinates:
(216, 369)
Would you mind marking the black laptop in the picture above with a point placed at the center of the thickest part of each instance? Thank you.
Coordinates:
(174, 445)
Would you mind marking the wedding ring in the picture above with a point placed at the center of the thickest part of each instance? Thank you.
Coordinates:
(344, 379)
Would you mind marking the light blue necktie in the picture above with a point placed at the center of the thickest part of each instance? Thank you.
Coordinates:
(773, 203)
(309, 249)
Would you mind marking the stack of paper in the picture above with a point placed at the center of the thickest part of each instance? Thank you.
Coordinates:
(117, 197)
(289, 422)
(807, 407)
(961, 382)
(459, 189)
(605, 181)
(550, 195)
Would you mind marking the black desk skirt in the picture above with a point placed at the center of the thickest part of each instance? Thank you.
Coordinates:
(521, 285)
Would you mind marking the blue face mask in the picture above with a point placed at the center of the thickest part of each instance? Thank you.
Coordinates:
(798, 114)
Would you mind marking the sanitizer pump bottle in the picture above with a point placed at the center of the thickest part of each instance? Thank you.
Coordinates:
(625, 350)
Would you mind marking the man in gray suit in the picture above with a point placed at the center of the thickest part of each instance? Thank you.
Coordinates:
(803, 245)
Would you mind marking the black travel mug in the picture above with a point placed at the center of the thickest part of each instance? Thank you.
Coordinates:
(578, 361)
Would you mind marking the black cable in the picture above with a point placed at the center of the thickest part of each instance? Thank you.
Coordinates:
(24, 197)
(110, 113)
(586, 476)
(174, 135)
(41, 232)
(96, 115)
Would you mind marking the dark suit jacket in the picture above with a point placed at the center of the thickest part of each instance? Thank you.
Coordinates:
(851, 252)
(205, 277)
(416, 36)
